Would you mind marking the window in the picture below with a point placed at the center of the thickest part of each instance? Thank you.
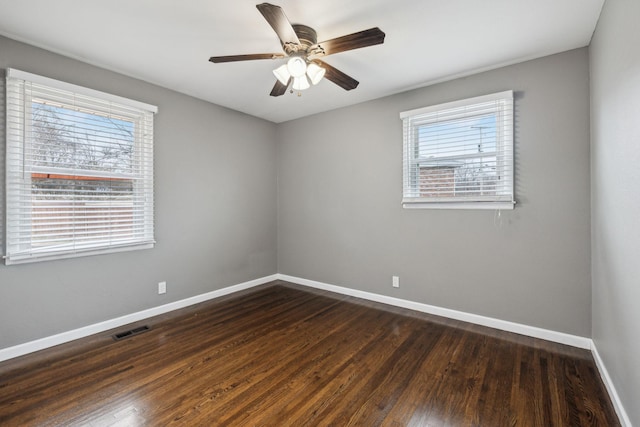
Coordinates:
(459, 154)
(79, 171)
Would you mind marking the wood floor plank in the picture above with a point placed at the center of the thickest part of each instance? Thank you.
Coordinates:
(284, 355)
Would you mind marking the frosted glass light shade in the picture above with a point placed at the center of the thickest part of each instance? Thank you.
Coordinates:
(297, 66)
(282, 74)
(315, 73)
(300, 83)
(298, 69)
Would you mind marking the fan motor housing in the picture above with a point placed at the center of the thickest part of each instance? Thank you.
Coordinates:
(307, 36)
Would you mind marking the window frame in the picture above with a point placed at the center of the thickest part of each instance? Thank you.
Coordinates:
(20, 247)
(414, 119)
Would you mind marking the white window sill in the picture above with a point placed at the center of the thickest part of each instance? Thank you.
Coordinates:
(24, 259)
(460, 205)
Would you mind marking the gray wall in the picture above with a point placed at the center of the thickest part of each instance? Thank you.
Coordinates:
(215, 194)
(340, 220)
(615, 192)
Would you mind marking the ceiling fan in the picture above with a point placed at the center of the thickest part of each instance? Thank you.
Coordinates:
(300, 45)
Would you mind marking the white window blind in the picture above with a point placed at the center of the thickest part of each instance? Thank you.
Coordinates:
(460, 154)
(79, 171)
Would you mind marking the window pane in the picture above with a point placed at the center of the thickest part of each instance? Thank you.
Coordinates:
(456, 157)
(81, 210)
(469, 135)
(468, 177)
(68, 139)
(476, 177)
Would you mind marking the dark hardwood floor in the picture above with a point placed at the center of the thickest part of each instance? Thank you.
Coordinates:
(282, 355)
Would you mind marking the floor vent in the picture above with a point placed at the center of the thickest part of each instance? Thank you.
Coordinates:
(126, 334)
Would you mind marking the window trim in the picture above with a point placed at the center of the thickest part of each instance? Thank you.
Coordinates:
(57, 84)
(17, 141)
(418, 117)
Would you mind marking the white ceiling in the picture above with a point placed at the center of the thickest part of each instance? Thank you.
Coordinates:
(168, 42)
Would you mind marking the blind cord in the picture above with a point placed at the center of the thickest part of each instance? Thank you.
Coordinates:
(497, 218)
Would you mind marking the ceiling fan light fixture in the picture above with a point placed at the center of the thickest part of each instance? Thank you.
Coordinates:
(282, 74)
(299, 43)
(315, 73)
(301, 83)
(297, 66)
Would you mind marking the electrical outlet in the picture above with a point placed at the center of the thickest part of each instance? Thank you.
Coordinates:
(162, 287)
(395, 281)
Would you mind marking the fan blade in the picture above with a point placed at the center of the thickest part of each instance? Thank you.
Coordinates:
(337, 76)
(278, 20)
(365, 38)
(233, 58)
(279, 88)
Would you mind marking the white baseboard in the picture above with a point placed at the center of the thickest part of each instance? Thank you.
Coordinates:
(613, 394)
(532, 331)
(40, 344)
